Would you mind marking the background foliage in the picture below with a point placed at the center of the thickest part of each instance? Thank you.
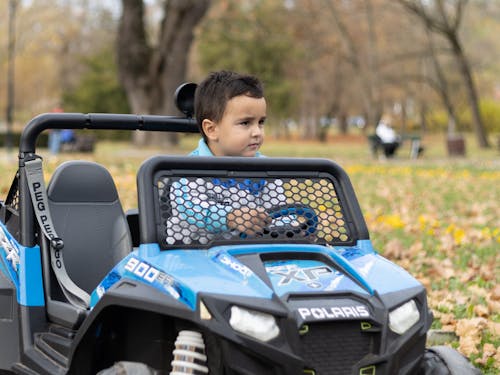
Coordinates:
(322, 59)
(317, 59)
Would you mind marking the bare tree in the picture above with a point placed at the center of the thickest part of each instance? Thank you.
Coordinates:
(442, 87)
(150, 74)
(445, 20)
(367, 70)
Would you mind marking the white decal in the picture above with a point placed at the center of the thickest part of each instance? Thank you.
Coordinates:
(238, 267)
(131, 264)
(142, 270)
(168, 283)
(100, 291)
(10, 249)
(342, 312)
(151, 274)
(307, 275)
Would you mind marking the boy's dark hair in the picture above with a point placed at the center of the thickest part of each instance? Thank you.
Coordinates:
(217, 89)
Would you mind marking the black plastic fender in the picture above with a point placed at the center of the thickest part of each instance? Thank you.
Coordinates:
(443, 360)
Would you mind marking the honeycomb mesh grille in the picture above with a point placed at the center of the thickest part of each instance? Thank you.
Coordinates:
(334, 348)
(208, 210)
(12, 200)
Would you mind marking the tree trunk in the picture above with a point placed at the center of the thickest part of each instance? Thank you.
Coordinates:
(442, 22)
(367, 75)
(151, 75)
(470, 88)
(443, 89)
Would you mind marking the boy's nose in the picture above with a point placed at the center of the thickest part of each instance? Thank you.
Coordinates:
(257, 130)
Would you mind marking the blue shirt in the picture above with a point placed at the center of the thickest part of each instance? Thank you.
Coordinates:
(203, 150)
(204, 214)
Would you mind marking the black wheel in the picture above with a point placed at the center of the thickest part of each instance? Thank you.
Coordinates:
(443, 360)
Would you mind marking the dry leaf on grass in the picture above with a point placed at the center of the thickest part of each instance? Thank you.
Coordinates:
(447, 319)
(477, 291)
(496, 358)
(495, 293)
(482, 311)
(470, 332)
(494, 328)
(494, 306)
(394, 249)
(468, 346)
(489, 351)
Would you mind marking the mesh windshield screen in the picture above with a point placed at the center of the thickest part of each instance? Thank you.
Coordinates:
(202, 211)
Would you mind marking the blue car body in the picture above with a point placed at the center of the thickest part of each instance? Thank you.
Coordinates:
(331, 303)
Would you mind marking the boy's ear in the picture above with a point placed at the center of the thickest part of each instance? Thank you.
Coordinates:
(210, 129)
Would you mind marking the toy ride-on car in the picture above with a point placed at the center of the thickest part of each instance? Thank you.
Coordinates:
(172, 289)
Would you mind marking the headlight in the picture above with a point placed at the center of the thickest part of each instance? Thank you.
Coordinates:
(256, 324)
(404, 317)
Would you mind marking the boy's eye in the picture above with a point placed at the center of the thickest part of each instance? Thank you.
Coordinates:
(262, 121)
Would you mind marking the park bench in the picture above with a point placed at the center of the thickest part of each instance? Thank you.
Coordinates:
(415, 140)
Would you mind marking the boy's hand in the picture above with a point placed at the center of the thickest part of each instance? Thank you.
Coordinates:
(248, 220)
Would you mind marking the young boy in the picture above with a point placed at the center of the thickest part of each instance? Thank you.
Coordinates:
(230, 110)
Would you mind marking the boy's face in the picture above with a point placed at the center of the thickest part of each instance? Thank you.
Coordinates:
(240, 132)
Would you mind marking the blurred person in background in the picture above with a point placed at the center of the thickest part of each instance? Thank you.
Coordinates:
(389, 139)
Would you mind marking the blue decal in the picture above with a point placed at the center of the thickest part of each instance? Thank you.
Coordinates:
(22, 265)
(133, 267)
(30, 291)
(183, 274)
(313, 274)
(9, 252)
(361, 263)
(299, 276)
(110, 280)
(233, 264)
(350, 253)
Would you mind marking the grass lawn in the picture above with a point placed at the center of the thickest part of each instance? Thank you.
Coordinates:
(438, 217)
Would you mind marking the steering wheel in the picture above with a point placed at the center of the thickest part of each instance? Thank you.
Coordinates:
(294, 212)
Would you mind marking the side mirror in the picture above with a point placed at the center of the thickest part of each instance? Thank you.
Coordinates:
(184, 98)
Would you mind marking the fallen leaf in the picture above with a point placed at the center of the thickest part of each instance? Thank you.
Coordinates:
(494, 306)
(394, 249)
(495, 293)
(449, 327)
(467, 276)
(470, 332)
(488, 351)
(496, 357)
(468, 346)
(487, 274)
(494, 328)
(478, 291)
(481, 310)
(447, 319)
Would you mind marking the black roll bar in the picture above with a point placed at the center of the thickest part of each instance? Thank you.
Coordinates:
(102, 121)
(98, 121)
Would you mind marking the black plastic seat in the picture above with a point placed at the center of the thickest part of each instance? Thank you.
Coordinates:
(88, 216)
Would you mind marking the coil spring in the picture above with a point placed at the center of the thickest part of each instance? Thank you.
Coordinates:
(189, 354)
